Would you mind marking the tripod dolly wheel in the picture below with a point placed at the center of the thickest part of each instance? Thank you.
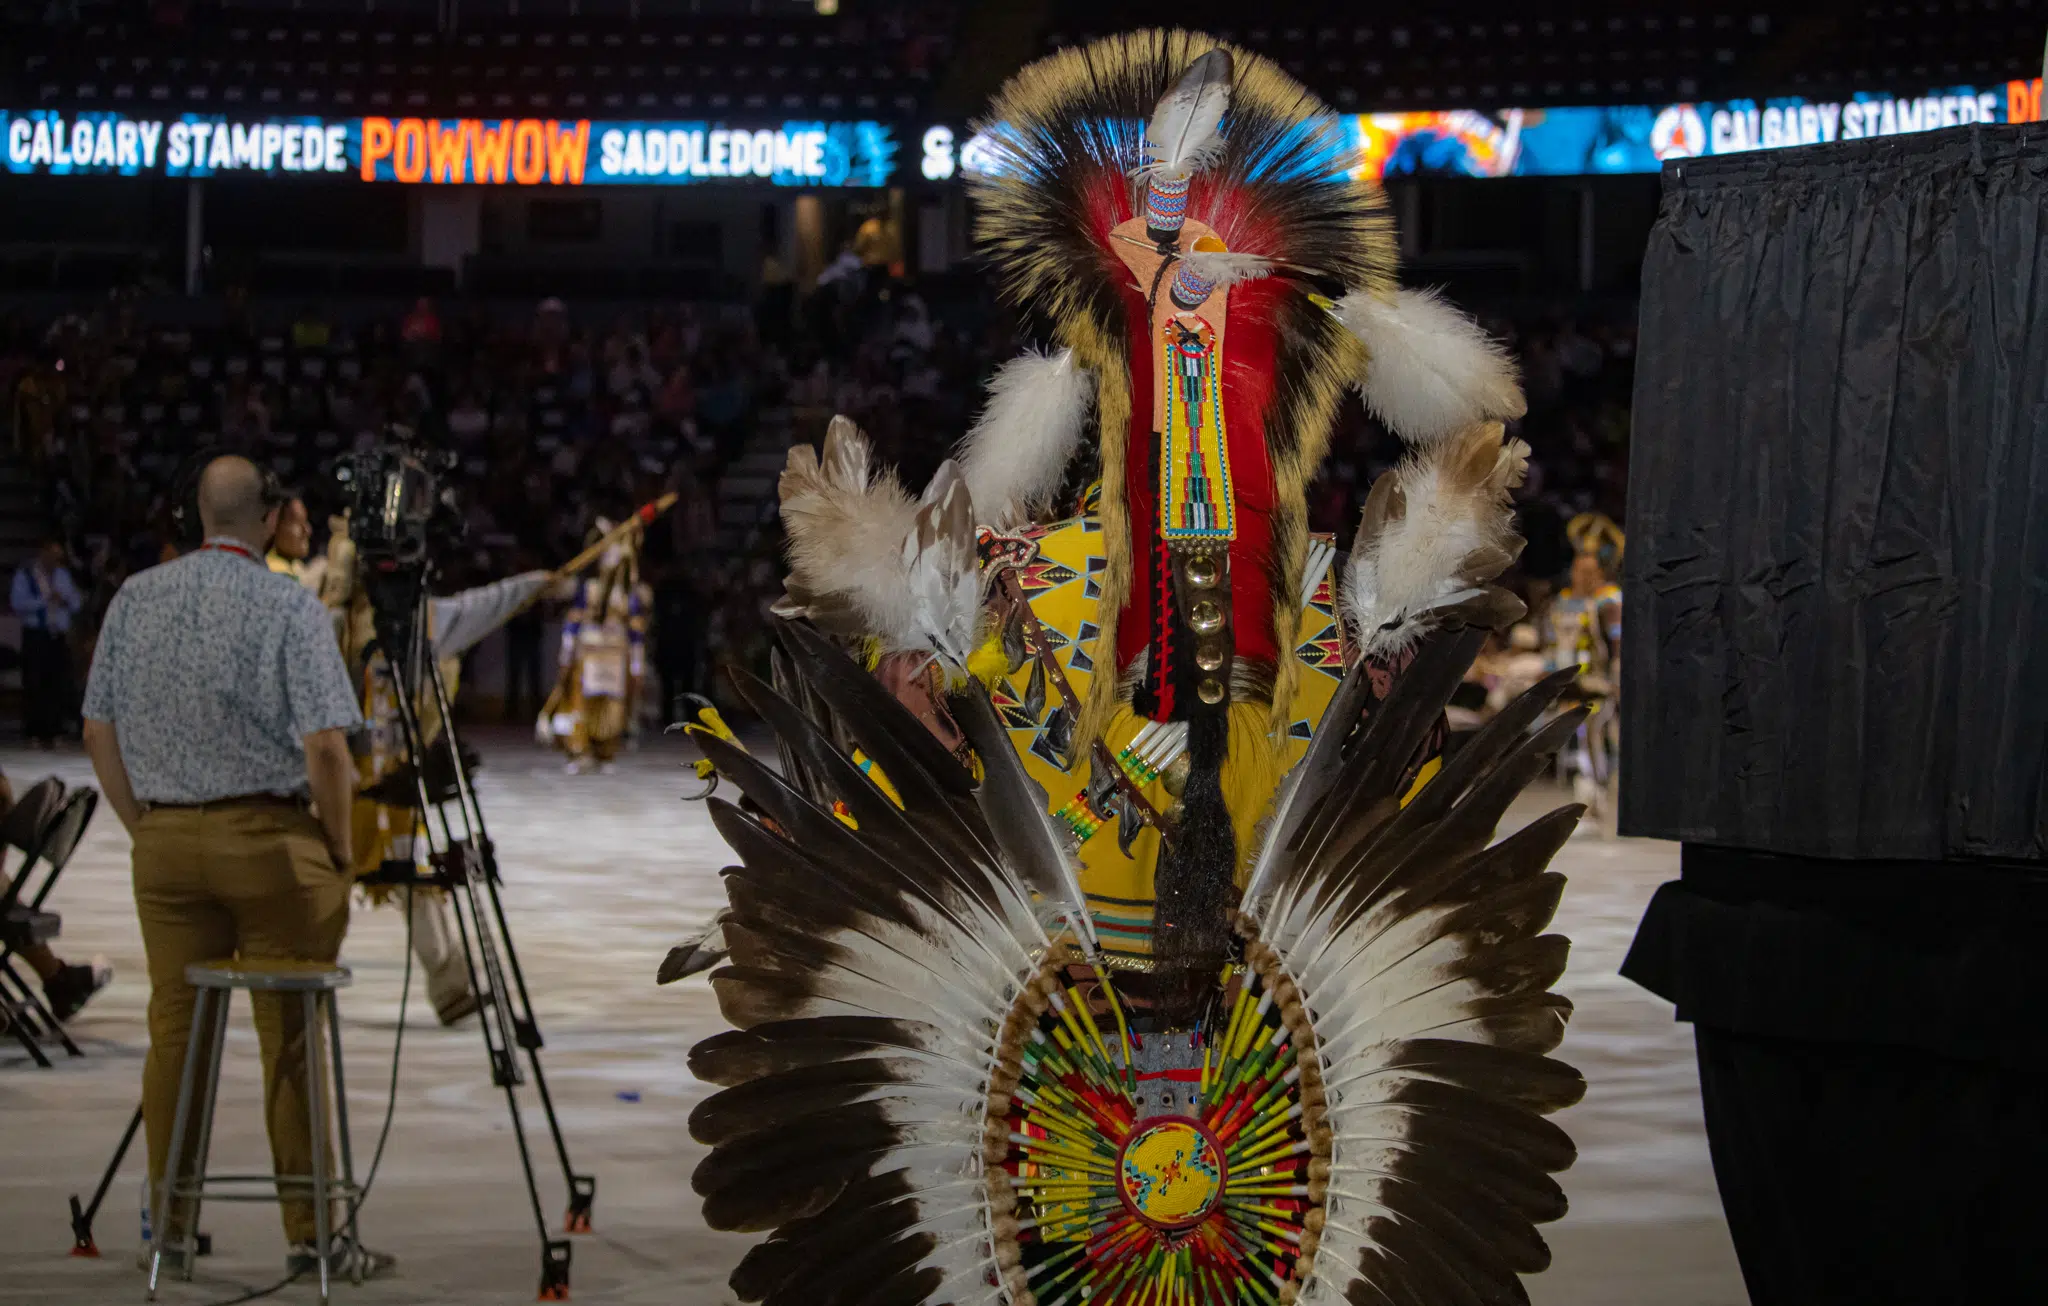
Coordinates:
(554, 1272)
(582, 1193)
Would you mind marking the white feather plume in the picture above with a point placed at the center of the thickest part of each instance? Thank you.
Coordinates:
(1432, 371)
(1225, 268)
(1018, 449)
(1186, 131)
(1435, 529)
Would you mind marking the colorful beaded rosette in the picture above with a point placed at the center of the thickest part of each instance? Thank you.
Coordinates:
(1179, 1168)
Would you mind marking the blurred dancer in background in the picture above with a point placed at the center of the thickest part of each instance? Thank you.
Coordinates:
(604, 659)
(1585, 631)
(291, 552)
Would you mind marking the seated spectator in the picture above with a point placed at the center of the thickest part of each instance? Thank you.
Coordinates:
(67, 986)
(422, 326)
(310, 330)
(468, 421)
(632, 376)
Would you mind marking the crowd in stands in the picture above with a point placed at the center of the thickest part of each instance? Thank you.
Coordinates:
(556, 418)
(552, 420)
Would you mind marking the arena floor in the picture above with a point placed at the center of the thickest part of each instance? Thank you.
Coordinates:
(602, 873)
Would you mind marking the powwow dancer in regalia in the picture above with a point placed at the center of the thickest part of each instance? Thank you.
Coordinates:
(1112, 930)
(603, 657)
(1584, 623)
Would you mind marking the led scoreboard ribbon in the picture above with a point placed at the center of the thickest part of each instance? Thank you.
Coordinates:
(1570, 141)
(452, 151)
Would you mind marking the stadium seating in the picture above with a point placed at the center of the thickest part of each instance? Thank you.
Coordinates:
(279, 58)
(1487, 55)
(684, 57)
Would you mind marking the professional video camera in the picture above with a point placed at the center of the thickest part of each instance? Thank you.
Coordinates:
(396, 503)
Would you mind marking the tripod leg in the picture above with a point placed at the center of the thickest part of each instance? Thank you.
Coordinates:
(554, 1252)
(554, 1272)
(81, 1217)
(463, 862)
(582, 1187)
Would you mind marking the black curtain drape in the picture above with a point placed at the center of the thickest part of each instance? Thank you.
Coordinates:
(1837, 572)
(1835, 692)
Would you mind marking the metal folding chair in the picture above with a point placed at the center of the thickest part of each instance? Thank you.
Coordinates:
(36, 825)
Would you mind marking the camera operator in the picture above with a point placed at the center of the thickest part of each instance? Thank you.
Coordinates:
(291, 548)
(217, 714)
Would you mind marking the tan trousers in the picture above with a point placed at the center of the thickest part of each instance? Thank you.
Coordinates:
(247, 878)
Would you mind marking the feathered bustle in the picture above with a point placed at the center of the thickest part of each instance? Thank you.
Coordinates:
(1421, 949)
(1432, 371)
(890, 972)
(1435, 529)
(1017, 451)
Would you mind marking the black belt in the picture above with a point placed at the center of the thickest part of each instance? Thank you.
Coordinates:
(297, 801)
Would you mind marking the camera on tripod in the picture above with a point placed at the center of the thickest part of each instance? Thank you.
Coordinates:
(396, 503)
(399, 515)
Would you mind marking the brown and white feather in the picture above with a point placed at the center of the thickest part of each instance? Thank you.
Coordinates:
(1418, 950)
(1437, 527)
(846, 529)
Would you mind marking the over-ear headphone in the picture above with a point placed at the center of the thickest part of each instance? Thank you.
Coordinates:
(186, 527)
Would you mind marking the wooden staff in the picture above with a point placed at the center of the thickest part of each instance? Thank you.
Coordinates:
(646, 514)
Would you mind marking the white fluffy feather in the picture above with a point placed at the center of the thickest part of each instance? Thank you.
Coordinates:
(1019, 448)
(1224, 268)
(1426, 535)
(1433, 372)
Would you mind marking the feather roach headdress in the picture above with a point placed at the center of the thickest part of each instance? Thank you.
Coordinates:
(1104, 157)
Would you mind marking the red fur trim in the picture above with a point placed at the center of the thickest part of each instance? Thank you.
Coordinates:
(1134, 624)
(1250, 347)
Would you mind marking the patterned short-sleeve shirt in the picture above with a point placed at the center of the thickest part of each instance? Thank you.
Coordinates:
(213, 669)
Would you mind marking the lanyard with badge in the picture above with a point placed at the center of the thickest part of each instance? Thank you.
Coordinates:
(222, 546)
